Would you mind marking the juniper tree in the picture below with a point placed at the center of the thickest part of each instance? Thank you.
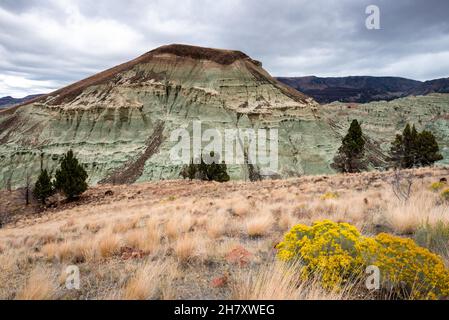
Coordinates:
(27, 188)
(397, 152)
(43, 187)
(413, 149)
(403, 148)
(189, 171)
(428, 151)
(214, 171)
(350, 156)
(71, 177)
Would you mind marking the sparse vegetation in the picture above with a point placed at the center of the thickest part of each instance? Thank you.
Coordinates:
(219, 245)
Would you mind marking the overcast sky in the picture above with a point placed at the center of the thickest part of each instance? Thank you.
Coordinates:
(47, 44)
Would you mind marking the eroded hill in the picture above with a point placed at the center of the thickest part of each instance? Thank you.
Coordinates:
(119, 122)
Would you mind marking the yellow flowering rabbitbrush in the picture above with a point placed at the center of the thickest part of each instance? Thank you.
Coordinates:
(402, 261)
(338, 252)
(437, 186)
(329, 196)
(328, 248)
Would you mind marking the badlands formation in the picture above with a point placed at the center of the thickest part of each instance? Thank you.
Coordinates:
(119, 121)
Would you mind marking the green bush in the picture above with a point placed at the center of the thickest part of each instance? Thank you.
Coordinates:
(71, 177)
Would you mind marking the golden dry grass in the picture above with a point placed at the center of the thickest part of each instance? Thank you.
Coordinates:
(108, 244)
(179, 236)
(68, 251)
(186, 247)
(216, 225)
(146, 283)
(145, 239)
(259, 225)
(422, 207)
(39, 286)
(280, 281)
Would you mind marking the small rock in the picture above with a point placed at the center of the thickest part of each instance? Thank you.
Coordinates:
(128, 253)
(109, 193)
(239, 256)
(219, 282)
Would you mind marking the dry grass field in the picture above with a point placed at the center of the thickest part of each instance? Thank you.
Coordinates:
(200, 240)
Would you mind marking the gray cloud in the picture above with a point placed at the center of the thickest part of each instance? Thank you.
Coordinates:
(50, 43)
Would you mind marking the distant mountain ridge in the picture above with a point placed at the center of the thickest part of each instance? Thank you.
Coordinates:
(432, 86)
(9, 101)
(363, 89)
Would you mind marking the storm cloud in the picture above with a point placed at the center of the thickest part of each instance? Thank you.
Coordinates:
(47, 44)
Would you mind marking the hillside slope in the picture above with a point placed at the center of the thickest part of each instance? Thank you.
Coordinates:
(120, 121)
(382, 120)
(177, 239)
